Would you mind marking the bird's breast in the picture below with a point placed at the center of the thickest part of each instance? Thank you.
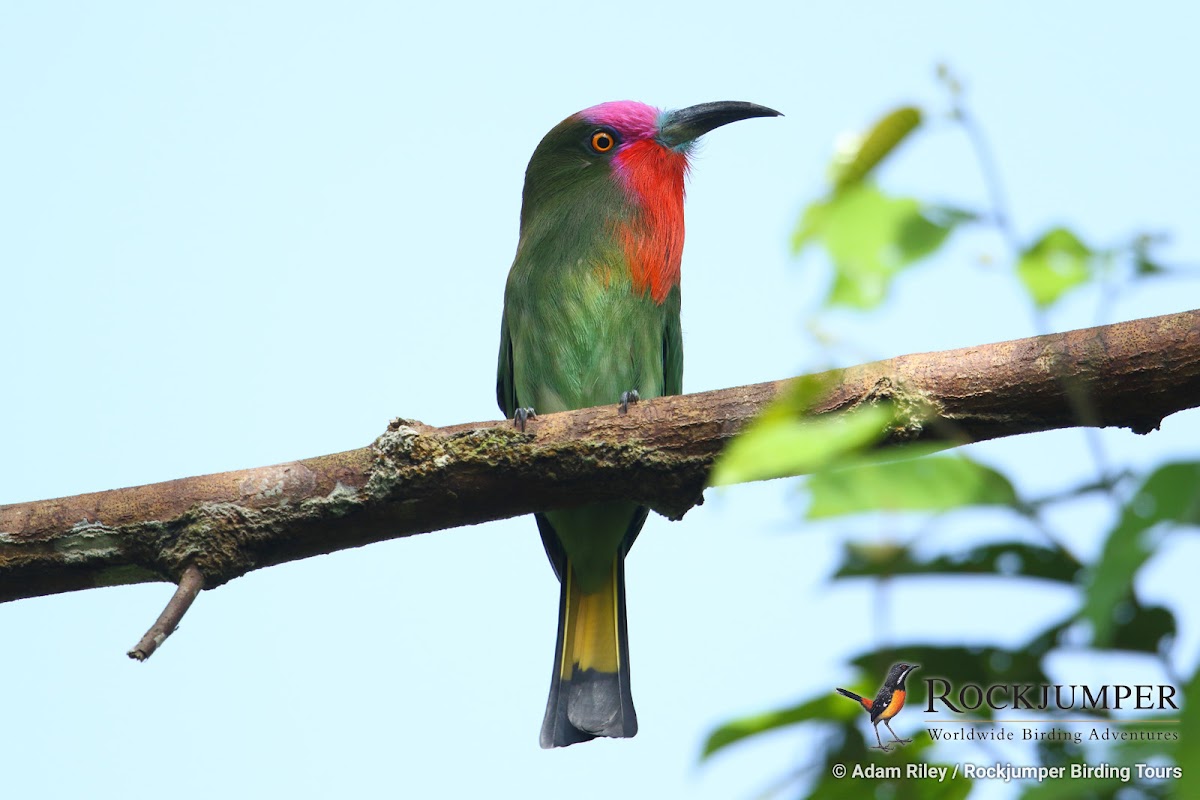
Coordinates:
(584, 339)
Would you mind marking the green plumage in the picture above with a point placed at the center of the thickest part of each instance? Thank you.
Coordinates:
(582, 326)
(576, 334)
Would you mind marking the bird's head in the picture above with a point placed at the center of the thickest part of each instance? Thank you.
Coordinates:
(605, 187)
(621, 152)
(900, 672)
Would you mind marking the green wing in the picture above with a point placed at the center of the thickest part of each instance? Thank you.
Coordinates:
(673, 347)
(506, 392)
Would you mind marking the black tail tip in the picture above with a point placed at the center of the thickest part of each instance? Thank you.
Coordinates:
(561, 733)
(589, 705)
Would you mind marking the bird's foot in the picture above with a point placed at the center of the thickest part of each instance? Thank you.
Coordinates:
(898, 740)
(521, 416)
(885, 748)
(631, 396)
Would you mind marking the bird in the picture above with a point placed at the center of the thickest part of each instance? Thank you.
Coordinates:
(887, 703)
(591, 317)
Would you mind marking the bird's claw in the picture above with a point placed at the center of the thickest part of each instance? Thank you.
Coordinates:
(631, 396)
(521, 416)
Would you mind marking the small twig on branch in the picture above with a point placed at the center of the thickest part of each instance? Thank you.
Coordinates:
(190, 584)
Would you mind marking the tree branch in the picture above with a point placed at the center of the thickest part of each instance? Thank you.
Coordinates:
(415, 478)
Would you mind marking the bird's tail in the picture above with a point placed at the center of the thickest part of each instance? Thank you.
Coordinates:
(858, 698)
(589, 691)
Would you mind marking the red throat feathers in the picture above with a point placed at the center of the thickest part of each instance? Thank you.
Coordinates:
(653, 239)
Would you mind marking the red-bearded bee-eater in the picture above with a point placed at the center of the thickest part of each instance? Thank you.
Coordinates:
(591, 316)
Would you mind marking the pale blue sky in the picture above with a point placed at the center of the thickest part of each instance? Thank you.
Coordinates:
(249, 233)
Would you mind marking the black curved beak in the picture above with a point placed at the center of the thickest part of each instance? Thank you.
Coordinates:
(688, 124)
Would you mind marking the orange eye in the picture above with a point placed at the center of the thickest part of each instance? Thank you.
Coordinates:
(603, 141)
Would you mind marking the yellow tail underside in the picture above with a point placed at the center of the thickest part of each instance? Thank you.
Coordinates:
(591, 637)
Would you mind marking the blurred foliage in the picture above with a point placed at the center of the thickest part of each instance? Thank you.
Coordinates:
(784, 441)
(870, 239)
(858, 155)
(933, 483)
(779, 445)
(1054, 264)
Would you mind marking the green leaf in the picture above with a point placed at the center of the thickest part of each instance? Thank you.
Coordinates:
(1171, 494)
(1144, 263)
(1121, 753)
(932, 483)
(922, 235)
(1006, 559)
(860, 154)
(1145, 268)
(870, 237)
(1188, 753)
(779, 446)
(1139, 628)
(1056, 263)
(919, 236)
(821, 709)
(812, 223)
